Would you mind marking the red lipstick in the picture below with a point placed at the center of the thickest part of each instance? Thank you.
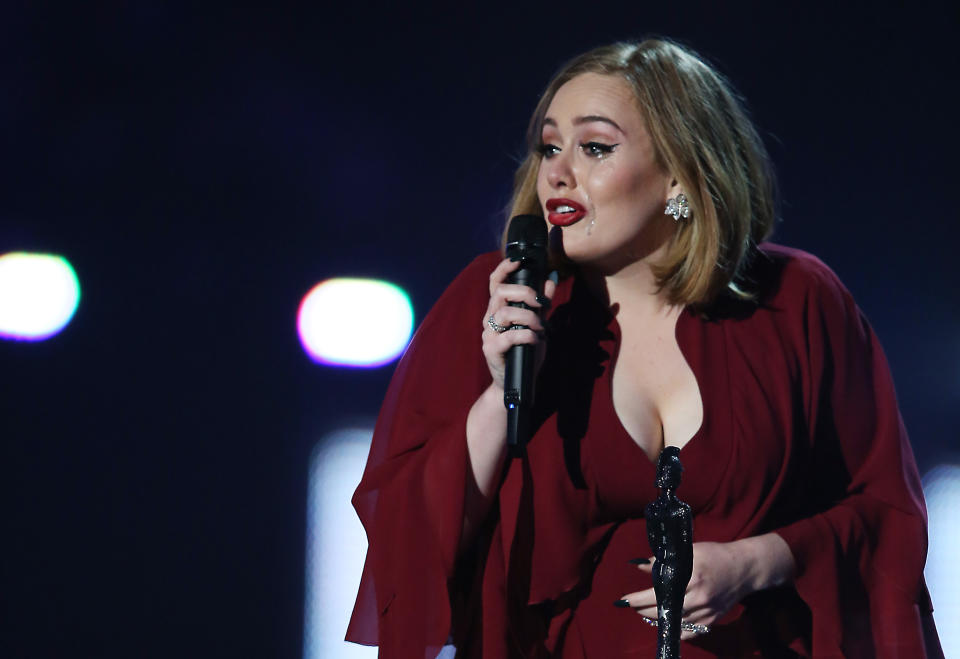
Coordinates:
(564, 212)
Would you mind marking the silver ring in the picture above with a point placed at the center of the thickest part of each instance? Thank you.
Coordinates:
(685, 626)
(499, 329)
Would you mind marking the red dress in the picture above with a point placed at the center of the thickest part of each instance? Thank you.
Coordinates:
(801, 435)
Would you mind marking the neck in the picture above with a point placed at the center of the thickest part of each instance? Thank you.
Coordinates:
(632, 285)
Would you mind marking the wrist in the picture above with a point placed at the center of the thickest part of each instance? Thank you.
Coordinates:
(487, 418)
(769, 560)
(492, 398)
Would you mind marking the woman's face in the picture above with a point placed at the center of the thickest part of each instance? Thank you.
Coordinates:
(599, 181)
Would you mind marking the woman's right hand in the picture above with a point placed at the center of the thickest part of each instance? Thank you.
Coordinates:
(486, 423)
(496, 344)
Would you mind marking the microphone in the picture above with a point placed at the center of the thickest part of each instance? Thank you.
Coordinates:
(527, 243)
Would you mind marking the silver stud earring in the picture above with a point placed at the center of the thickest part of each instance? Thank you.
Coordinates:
(678, 207)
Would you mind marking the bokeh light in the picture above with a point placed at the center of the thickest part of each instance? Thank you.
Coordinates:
(941, 488)
(336, 545)
(355, 322)
(39, 294)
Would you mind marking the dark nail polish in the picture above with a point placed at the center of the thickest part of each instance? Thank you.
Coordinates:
(622, 604)
(639, 561)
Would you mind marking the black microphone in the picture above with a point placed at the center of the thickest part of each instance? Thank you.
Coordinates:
(527, 243)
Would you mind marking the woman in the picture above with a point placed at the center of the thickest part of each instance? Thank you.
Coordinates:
(671, 325)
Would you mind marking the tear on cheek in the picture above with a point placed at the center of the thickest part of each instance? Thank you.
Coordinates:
(593, 211)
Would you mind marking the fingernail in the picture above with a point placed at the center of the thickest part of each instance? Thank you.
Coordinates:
(621, 604)
(543, 301)
(554, 276)
(639, 561)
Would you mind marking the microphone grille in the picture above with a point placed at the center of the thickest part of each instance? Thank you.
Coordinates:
(527, 230)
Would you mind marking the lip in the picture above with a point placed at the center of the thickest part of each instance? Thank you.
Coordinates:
(564, 219)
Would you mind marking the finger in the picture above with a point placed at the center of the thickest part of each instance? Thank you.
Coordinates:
(699, 597)
(703, 616)
(649, 612)
(642, 599)
(693, 600)
(495, 345)
(549, 288)
(501, 343)
(705, 622)
(644, 564)
(499, 274)
(503, 294)
(508, 316)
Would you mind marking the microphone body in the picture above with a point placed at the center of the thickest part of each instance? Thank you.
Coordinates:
(527, 243)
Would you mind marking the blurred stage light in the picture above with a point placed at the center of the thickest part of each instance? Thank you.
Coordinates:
(38, 295)
(336, 545)
(355, 322)
(941, 487)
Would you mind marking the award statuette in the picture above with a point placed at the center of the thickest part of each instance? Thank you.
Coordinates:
(670, 531)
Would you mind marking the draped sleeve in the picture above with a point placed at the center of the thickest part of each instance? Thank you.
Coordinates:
(411, 497)
(860, 555)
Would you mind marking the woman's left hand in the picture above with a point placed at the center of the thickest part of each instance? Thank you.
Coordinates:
(723, 574)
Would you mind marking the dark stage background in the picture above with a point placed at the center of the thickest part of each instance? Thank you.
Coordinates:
(202, 168)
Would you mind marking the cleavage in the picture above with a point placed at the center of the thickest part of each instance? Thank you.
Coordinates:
(654, 391)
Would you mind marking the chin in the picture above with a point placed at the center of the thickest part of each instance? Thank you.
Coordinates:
(583, 255)
(577, 245)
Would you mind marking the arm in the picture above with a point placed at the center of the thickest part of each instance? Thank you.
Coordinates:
(433, 469)
(486, 428)
(486, 448)
(856, 552)
(411, 497)
(860, 553)
(768, 560)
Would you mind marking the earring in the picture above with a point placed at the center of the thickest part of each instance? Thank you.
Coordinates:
(678, 207)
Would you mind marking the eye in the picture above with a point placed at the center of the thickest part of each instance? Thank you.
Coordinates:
(548, 150)
(598, 149)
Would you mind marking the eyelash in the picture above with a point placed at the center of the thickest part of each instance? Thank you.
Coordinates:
(593, 149)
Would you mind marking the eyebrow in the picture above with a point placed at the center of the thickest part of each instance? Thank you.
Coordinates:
(586, 119)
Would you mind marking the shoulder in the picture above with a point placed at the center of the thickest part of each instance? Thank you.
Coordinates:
(474, 279)
(481, 266)
(797, 296)
(788, 277)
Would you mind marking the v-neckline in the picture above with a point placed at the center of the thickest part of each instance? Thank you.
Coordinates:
(617, 331)
(706, 455)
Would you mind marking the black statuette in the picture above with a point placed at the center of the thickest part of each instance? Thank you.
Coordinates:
(670, 531)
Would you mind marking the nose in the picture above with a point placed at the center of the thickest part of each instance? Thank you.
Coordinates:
(559, 171)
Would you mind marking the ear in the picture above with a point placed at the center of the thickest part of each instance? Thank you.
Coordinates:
(674, 189)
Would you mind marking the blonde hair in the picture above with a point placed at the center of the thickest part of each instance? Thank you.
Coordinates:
(704, 138)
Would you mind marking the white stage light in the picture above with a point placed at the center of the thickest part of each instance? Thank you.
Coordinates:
(336, 545)
(355, 322)
(38, 295)
(941, 487)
